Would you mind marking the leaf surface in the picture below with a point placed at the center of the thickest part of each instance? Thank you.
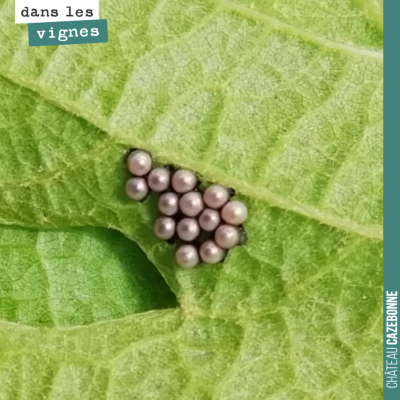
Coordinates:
(75, 277)
(286, 115)
(281, 100)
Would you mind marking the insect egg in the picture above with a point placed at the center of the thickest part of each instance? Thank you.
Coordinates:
(136, 188)
(158, 179)
(164, 228)
(191, 204)
(211, 253)
(139, 162)
(227, 236)
(168, 203)
(187, 256)
(188, 229)
(234, 213)
(215, 196)
(209, 219)
(183, 181)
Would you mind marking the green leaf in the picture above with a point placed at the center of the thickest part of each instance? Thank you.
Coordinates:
(76, 363)
(282, 101)
(281, 113)
(75, 277)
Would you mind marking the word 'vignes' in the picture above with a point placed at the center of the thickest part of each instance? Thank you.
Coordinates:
(62, 34)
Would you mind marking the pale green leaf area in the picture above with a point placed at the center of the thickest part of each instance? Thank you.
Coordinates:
(281, 100)
(75, 277)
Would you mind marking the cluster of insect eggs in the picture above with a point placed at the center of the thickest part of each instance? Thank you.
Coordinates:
(186, 212)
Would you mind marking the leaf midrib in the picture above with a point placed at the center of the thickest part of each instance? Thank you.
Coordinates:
(103, 361)
(304, 34)
(207, 171)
